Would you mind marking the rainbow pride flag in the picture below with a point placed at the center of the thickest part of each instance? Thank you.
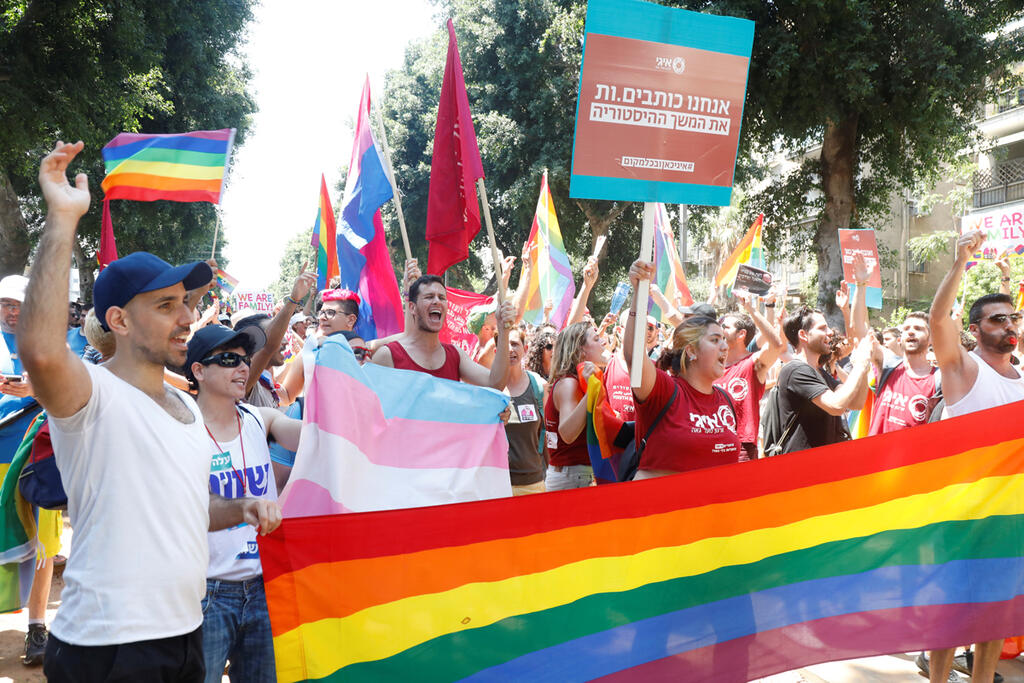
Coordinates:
(324, 238)
(377, 438)
(182, 167)
(1018, 303)
(550, 275)
(748, 251)
(602, 427)
(226, 283)
(897, 543)
(670, 276)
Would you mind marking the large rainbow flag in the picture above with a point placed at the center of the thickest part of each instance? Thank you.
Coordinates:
(377, 438)
(325, 238)
(669, 273)
(895, 543)
(551, 275)
(748, 251)
(182, 167)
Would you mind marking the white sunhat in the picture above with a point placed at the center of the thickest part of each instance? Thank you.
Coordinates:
(13, 287)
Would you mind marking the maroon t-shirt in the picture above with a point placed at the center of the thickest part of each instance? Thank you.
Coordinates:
(560, 453)
(403, 361)
(699, 430)
(616, 383)
(905, 401)
(740, 380)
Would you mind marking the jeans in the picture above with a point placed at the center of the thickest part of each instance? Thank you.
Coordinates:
(236, 627)
(570, 477)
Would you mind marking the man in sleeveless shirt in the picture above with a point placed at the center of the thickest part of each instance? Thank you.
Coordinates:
(132, 454)
(420, 348)
(972, 381)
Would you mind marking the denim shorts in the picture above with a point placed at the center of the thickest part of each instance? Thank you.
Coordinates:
(236, 627)
(570, 477)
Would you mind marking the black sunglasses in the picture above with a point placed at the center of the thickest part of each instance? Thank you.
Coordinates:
(227, 359)
(1001, 318)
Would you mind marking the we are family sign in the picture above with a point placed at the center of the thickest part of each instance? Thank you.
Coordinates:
(660, 104)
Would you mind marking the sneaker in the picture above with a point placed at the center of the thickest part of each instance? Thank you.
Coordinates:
(922, 665)
(964, 661)
(35, 645)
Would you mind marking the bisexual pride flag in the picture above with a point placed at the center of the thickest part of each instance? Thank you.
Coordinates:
(896, 543)
(363, 258)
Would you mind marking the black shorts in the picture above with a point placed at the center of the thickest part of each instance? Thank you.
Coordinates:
(178, 658)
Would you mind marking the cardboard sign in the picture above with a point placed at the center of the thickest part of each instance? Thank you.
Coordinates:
(456, 329)
(853, 242)
(261, 302)
(1003, 228)
(660, 104)
(753, 280)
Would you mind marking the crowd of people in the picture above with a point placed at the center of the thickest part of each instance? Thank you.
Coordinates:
(175, 429)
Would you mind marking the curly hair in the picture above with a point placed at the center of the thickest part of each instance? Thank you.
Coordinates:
(535, 353)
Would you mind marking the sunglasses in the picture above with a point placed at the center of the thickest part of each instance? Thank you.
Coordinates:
(227, 359)
(361, 352)
(1001, 318)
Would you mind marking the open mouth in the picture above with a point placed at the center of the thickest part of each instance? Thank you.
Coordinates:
(435, 315)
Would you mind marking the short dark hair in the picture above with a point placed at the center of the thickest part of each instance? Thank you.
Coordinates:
(414, 288)
(919, 315)
(348, 306)
(895, 331)
(744, 322)
(974, 317)
(802, 319)
(256, 319)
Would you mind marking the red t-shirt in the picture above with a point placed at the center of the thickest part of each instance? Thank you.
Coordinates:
(560, 453)
(699, 430)
(740, 380)
(904, 402)
(403, 361)
(616, 383)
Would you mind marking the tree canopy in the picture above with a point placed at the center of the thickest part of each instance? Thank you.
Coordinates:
(92, 69)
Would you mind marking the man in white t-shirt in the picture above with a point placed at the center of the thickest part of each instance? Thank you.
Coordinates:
(236, 625)
(133, 456)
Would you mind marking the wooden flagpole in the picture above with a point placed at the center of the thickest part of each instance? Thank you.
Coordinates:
(216, 229)
(636, 371)
(394, 185)
(490, 236)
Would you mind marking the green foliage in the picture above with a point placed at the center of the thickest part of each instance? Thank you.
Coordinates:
(296, 252)
(896, 318)
(928, 248)
(985, 277)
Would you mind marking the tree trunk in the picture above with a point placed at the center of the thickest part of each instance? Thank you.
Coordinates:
(86, 268)
(600, 221)
(13, 230)
(838, 172)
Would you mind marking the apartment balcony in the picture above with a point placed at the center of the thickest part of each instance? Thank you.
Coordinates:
(999, 185)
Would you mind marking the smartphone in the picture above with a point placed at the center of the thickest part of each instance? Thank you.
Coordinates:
(12, 378)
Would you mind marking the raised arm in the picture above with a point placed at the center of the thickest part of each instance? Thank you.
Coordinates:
(843, 304)
(524, 281)
(671, 314)
(579, 304)
(859, 308)
(496, 377)
(1005, 274)
(765, 357)
(850, 395)
(59, 378)
(278, 326)
(949, 353)
(640, 270)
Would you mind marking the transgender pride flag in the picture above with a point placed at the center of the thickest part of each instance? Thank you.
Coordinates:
(363, 257)
(377, 438)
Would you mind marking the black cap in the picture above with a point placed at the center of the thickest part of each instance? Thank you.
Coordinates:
(701, 309)
(212, 337)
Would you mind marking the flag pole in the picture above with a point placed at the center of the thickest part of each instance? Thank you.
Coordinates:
(490, 236)
(216, 229)
(394, 185)
(636, 371)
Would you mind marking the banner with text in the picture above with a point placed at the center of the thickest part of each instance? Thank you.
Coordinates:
(261, 302)
(1003, 228)
(660, 104)
(752, 280)
(461, 305)
(853, 242)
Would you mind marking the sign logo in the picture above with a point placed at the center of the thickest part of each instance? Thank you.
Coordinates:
(679, 65)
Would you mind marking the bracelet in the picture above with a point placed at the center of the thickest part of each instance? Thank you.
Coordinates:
(632, 314)
(861, 284)
(1006, 279)
(771, 305)
(292, 301)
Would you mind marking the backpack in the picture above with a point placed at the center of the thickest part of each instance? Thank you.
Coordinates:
(774, 434)
(39, 482)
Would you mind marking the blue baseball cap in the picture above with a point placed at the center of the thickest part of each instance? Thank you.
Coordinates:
(142, 272)
(211, 337)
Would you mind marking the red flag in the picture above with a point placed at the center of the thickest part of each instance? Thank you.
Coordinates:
(108, 247)
(453, 212)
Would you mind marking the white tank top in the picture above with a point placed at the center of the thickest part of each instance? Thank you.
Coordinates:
(990, 390)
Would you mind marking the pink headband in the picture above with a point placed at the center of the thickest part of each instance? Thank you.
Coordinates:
(340, 295)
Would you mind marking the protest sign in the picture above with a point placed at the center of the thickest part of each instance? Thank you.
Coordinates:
(259, 301)
(660, 104)
(853, 242)
(754, 280)
(1003, 228)
(461, 305)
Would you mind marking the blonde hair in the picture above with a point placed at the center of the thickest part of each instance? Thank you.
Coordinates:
(103, 341)
(568, 351)
(686, 333)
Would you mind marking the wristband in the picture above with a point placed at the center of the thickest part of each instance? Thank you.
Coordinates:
(632, 314)
(771, 305)
(1006, 279)
(292, 301)
(861, 284)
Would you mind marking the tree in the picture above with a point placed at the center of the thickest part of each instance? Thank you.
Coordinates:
(92, 69)
(889, 90)
(296, 252)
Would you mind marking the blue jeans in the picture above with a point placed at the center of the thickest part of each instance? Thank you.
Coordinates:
(236, 627)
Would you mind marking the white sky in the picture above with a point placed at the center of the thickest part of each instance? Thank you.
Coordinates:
(309, 59)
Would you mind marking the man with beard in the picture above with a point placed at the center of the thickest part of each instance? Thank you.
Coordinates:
(811, 404)
(972, 381)
(419, 347)
(906, 385)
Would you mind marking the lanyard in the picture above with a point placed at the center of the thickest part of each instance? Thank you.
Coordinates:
(241, 479)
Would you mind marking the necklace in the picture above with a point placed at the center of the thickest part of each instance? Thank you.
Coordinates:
(241, 479)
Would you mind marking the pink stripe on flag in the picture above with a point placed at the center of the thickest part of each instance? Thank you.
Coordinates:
(399, 442)
(307, 498)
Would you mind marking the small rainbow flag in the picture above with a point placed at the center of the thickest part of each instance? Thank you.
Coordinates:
(325, 239)
(226, 283)
(551, 275)
(182, 167)
(603, 426)
(1019, 303)
(747, 251)
(897, 543)
(670, 276)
